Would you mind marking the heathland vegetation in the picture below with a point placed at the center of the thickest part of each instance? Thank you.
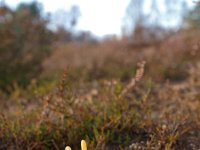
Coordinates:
(57, 88)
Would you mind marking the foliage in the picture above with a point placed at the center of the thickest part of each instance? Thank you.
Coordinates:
(147, 21)
(193, 17)
(108, 100)
(25, 42)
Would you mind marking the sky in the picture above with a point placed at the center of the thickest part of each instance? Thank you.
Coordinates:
(101, 17)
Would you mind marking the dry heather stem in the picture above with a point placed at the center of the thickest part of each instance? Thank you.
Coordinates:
(135, 79)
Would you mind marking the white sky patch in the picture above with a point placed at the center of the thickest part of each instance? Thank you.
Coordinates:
(100, 17)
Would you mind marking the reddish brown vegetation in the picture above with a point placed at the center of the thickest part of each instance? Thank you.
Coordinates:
(98, 100)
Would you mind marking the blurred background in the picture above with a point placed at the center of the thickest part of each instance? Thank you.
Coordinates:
(95, 39)
(101, 46)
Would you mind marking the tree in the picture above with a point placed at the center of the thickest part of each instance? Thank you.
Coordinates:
(65, 22)
(34, 8)
(154, 13)
(134, 14)
(192, 19)
(25, 42)
(67, 18)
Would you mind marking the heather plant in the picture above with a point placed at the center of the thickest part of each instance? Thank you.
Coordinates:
(123, 105)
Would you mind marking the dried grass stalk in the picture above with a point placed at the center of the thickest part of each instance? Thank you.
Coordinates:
(135, 79)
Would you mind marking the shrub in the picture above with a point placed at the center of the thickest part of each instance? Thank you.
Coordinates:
(25, 42)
